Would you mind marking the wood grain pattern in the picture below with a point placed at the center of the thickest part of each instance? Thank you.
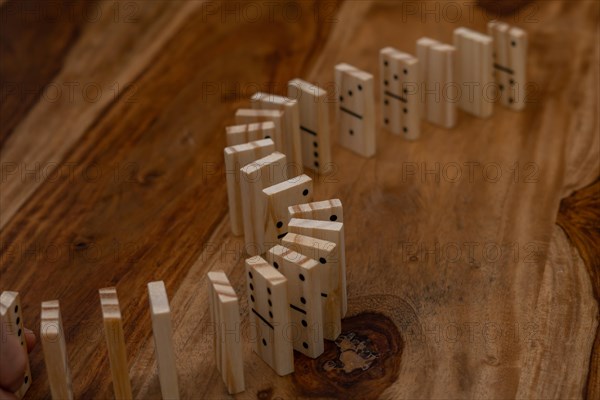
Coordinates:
(158, 209)
(108, 72)
(578, 217)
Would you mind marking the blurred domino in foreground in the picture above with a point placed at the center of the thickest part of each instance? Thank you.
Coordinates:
(10, 313)
(52, 337)
(163, 339)
(225, 316)
(115, 341)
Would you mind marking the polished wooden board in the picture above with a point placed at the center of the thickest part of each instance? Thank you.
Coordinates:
(147, 196)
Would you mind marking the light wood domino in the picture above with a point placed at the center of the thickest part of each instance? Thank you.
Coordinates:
(332, 232)
(325, 252)
(52, 336)
(290, 123)
(225, 316)
(269, 315)
(163, 339)
(11, 314)
(237, 157)
(314, 124)
(115, 341)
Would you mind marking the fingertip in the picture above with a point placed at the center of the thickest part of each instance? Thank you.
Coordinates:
(12, 372)
(30, 338)
(4, 395)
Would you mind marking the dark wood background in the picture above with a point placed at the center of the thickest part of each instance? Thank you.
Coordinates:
(111, 135)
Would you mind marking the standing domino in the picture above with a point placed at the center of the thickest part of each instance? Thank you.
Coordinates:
(240, 134)
(400, 92)
(163, 339)
(436, 62)
(11, 317)
(249, 116)
(291, 123)
(269, 315)
(332, 232)
(326, 210)
(52, 337)
(225, 316)
(255, 177)
(314, 124)
(279, 197)
(510, 62)
(115, 341)
(474, 72)
(356, 109)
(304, 298)
(331, 295)
(237, 157)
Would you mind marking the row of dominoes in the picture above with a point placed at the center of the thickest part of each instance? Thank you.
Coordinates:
(471, 73)
(265, 157)
(55, 350)
(432, 84)
(298, 124)
(296, 296)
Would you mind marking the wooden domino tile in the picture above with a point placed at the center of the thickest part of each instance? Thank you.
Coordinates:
(115, 341)
(279, 198)
(237, 157)
(314, 124)
(255, 177)
(12, 317)
(325, 252)
(474, 72)
(240, 134)
(163, 339)
(400, 91)
(356, 110)
(325, 210)
(290, 123)
(52, 337)
(225, 316)
(249, 116)
(304, 298)
(510, 63)
(332, 232)
(437, 74)
(269, 315)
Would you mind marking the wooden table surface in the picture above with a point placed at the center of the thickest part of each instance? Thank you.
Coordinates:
(478, 285)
